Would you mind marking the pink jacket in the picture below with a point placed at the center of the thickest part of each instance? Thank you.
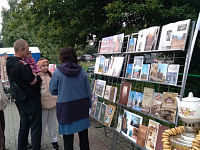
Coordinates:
(33, 64)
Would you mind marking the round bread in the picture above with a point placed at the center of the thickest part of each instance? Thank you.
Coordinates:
(194, 147)
(165, 140)
(177, 130)
(196, 141)
(165, 133)
(174, 131)
(198, 137)
(166, 146)
(169, 131)
(164, 143)
(164, 136)
(195, 144)
(182, 128)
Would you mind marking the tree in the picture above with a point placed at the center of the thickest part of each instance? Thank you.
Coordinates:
(90, 49)
(1, 41)
(139, 14)
(53, 24)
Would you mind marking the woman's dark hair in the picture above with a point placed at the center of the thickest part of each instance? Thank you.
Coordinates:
(48, 72)
(68, 54)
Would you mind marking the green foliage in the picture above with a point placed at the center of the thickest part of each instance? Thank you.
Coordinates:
(52, 24)
(90, 49)
(1, 42)
(139, 14)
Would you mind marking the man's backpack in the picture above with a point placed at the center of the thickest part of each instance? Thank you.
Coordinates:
(17, 93)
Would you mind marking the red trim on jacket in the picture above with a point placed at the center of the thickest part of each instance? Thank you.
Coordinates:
(22, 62)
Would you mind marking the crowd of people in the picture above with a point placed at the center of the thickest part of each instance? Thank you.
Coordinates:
(40, 96)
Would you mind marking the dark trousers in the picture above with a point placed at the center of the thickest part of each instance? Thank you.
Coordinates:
(30, 117)
(2, 129)
(83, 140)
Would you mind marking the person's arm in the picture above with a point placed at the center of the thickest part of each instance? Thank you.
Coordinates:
(28, 76)
(4, 98)
(53, 84)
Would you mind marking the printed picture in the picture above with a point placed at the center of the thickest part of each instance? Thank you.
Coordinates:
(138, 101)
(152, 134)
(136, 73)
(133, 126)
(129, 70)
(112, 44)
(132, 45)
(158, 72)
(131, 100)
(108, 114)
(138, 61)
(100, 87)
(168, 35)
(135, 120)
(125, 121)
(135, 133)
(52, 67)
(152, 36)
(101, 64)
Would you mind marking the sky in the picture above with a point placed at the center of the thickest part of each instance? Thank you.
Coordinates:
(3, 3)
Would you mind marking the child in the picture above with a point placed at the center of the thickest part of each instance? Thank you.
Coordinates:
(48, 102)
(31, 61)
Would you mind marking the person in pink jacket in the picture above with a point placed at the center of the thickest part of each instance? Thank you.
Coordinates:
(31, 61)
(48, 102)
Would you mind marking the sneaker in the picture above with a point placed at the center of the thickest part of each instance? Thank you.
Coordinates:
(55, 146)
(29, 146)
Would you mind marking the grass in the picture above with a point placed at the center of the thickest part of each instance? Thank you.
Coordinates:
(85, 65)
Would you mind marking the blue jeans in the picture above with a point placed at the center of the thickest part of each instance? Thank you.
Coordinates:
(30, 117)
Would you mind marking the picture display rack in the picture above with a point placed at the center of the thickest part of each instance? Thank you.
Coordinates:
(172, 56)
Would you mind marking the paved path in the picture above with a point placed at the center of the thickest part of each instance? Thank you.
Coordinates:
(97, 138)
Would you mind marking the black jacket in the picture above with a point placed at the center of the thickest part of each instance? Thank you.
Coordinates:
(21, 74)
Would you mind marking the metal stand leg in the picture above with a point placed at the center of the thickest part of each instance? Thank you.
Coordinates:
(105, 131)
(133, 147)
(113, 147)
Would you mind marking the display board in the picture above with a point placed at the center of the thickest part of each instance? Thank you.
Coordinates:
(144, 81)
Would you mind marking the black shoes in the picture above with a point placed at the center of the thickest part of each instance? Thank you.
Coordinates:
(55, 146)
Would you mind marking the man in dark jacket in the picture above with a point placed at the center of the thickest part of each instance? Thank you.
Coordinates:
(30, 110)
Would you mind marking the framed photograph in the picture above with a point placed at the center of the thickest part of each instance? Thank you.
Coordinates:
(100, 88)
